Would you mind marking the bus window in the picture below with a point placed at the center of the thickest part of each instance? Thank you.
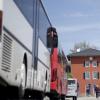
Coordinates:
(52, 38)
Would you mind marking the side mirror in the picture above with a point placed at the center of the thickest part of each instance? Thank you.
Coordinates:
(52, 38)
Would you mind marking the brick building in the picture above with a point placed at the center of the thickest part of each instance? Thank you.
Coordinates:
(85, 66)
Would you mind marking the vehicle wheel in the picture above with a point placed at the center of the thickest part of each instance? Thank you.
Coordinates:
(62, 97)
(39, 96)
(23, 81)
(74, 98)
(3, 92)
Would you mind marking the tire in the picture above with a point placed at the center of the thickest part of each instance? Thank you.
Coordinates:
(39, 96)
(75, 98)
(63, 97)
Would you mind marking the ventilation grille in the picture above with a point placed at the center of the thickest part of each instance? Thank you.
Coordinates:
(6, 53)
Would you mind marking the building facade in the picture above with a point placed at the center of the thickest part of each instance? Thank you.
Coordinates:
(85, 66)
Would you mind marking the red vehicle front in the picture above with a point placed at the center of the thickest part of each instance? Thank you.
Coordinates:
(58, 74)
(58, 63)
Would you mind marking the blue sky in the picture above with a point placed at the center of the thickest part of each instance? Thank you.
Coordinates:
(75, 20)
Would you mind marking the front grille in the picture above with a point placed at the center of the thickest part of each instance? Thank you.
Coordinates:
(6, 53)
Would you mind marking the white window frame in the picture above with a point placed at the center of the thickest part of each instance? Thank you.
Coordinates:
(95, 63)
(94, 75)
(87, 62)
(87, 78)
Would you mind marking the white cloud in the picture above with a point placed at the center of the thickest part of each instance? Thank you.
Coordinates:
(66, 29)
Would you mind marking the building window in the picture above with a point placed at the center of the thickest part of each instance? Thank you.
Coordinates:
(95, 75)
(86, 75)
(87, 64)
(94, 64)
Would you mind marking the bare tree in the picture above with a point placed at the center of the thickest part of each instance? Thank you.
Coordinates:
(81, 46)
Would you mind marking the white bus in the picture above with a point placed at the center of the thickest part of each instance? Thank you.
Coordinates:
(24, 56)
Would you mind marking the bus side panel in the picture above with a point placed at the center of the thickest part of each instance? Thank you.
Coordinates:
(16, 41)
(17, 24)
(43, 53)
(12, 59)
(43, 67)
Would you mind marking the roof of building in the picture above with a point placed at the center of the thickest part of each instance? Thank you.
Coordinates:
(86, 52)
